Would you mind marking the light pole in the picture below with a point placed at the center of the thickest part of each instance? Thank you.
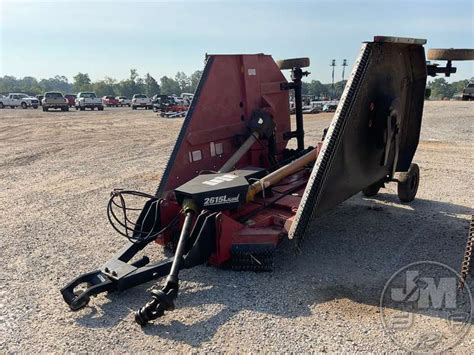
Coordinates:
(333, 64)
(344, 65)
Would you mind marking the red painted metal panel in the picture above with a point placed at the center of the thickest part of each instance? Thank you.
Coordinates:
(231, 90)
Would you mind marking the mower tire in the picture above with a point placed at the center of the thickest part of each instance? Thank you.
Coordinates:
(451, 54)
(293, 63)
(408, 184)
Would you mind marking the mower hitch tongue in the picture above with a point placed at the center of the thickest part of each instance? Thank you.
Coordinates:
(233, 189)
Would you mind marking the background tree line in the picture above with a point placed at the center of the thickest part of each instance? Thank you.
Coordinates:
(148, 85)
(439, 87)
(135, 84)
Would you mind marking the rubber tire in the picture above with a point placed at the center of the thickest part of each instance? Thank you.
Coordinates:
(450, 54)
(293, 63)
(24, 106)
(134, 107)
(408, 183)
(371, 190)
(101, 108)
(2, 105)
(35, 107)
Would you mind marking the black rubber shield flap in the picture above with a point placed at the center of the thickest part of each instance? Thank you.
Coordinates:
(353, 156)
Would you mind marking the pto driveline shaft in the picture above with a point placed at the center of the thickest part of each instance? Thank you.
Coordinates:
(280, 174)
(244, 148)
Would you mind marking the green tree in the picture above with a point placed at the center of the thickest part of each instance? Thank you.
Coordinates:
(126, 88)
(58, 83)
(183, 81)
(169, 86)
(105, 87)
(133, 74)
(151, 85)
(131, 86)
(194, 80)
(458, 86)
(8, 84)
(29, 85)
(440, 88)
(82, 82)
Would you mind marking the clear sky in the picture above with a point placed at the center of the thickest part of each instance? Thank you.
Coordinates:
(107, 38)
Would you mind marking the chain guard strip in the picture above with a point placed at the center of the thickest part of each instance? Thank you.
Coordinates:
(467, 260)
(309, 202)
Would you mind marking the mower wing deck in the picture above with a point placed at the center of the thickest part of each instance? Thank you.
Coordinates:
(385, 93)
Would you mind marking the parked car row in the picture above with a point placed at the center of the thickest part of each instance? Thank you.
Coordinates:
(89, 100)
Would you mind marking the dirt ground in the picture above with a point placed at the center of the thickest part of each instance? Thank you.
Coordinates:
(56, 172)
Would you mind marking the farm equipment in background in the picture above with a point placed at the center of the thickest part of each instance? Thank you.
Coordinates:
(170, 106)
(232, 189)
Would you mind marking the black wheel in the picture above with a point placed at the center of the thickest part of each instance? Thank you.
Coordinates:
(24, 105)
(2, 105)
(371, 190)
(134, 107)
(35, 107)
(101, 108)
(408, 184)
(293, 63)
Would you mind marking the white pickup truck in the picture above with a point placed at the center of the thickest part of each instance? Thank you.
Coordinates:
(139, 100)
(124, 101)
(88, 100)
(18, 100)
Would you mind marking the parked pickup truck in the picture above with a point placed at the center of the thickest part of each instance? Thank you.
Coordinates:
(124, 101)
(19, 100)
(110, 101)
(468, 92)
(71, 99)
(88, 100)
(139, 100)
(55, 100)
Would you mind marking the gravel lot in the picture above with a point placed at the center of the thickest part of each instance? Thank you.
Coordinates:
(57, 169)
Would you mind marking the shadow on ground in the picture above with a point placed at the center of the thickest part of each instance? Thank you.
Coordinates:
(350, 253)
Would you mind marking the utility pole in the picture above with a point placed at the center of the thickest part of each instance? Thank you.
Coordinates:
(344, 65)
(333, 64)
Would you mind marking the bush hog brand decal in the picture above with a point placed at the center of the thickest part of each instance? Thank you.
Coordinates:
(220, 200)
(219, 179)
